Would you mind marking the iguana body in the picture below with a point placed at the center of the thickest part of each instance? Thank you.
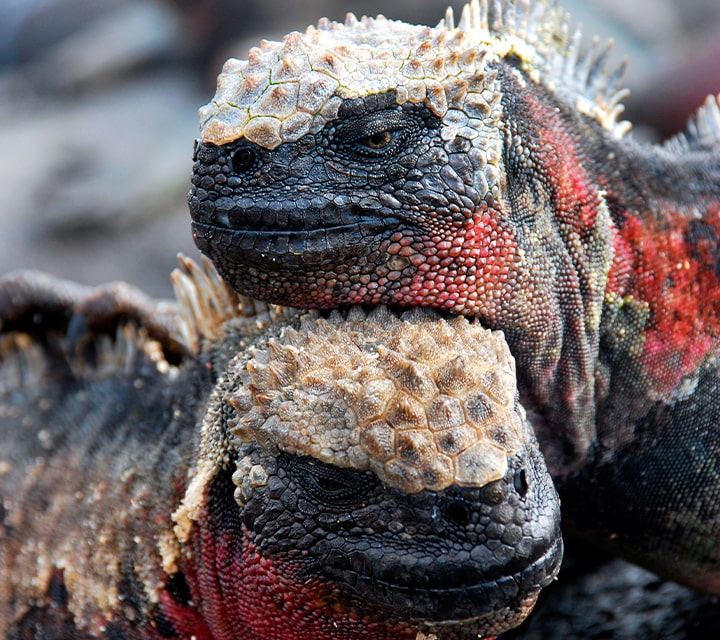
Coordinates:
(481, 170)
(237, 471)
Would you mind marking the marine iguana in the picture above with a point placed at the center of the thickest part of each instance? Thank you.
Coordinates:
(482, 169)
(151, 365)
(229, 470)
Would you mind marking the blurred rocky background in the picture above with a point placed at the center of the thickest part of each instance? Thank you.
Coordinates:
(98, 107)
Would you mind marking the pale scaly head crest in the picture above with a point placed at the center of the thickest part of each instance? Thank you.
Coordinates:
(287, 89)
(421, 401)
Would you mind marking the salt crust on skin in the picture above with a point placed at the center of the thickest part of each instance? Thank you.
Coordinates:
(285, 90)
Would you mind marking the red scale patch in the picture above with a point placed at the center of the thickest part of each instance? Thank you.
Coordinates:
(657, 264)
(239, 593)
(467, 271)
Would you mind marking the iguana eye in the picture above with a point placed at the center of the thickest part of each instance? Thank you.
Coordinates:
(374, 136)
(329, 484)
(378, 140)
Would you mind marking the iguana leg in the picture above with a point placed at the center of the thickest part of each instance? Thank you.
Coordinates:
(39, 304)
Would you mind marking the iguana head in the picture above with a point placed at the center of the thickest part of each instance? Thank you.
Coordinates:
(366, 476)
(382, 162)
(366, 162)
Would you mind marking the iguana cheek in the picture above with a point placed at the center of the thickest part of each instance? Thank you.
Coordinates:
(469, 270)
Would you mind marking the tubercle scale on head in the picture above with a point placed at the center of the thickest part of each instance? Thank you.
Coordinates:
(420, 401)
(287, 89)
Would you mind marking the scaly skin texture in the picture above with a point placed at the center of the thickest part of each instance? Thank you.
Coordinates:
(223, 469)
(481, 170)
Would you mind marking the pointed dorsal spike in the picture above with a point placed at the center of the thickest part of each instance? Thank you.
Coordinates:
(512, 19)
(585, 61)
(465, 18)
(702, 130)
(679, 143)
(597, 73)
(620, 71)
(495, 19)
(572, 53)
(708, 120)
(483, 19)
(449, 20)
(615, 93)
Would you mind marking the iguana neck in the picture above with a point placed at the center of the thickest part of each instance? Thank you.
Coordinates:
(631, 233)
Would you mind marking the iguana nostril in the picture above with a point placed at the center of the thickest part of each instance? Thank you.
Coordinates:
(520, 482)
(458, 512)
(242, 160)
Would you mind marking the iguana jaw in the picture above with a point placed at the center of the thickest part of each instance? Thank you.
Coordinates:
(471, 603)
(295, 248)
(305, 261)
(393, 585)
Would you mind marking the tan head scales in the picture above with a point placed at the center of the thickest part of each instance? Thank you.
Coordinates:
(287, 89)
(421, 401)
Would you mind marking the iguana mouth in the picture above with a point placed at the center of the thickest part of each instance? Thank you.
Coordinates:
(259, 241)
(287, 216)
(473, 600)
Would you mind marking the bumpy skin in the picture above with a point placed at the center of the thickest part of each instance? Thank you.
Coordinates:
(290, 477)
(481, 170)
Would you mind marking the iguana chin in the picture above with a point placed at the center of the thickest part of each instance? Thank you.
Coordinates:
(223, 469)
(481, 169)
